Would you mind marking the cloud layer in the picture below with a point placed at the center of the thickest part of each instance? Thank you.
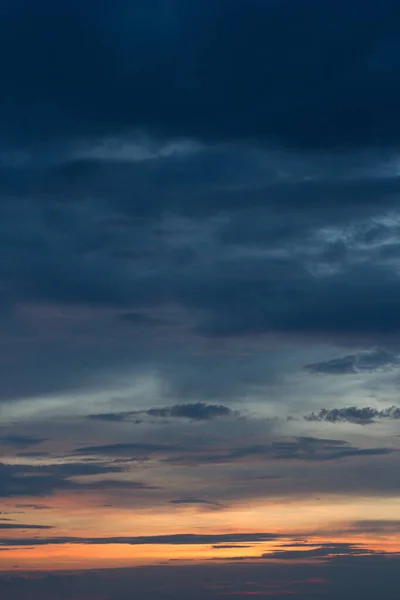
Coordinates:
(199, 277)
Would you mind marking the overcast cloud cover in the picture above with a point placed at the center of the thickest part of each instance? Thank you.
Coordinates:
(200, 297)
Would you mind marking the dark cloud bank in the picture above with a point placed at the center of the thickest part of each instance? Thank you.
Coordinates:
(224, 70)
(261, 78)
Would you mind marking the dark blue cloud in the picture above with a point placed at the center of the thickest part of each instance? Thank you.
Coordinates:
(300, 74)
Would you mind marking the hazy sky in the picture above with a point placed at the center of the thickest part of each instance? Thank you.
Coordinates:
(200, 298)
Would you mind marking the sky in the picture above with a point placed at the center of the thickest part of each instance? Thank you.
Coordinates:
(200, 299)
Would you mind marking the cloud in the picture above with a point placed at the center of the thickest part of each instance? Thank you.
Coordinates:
(198, 200)
(368, 361)
(33, 454)
(174, 540)
(130, 223)
(23, 526)
(41, 481)
(229, 546)
(352, 414)
(307, 449)
(170, 76)
(193, 501)
(380, 526)
(286, 270)
(21, 441)
(135, 449)
(321, 551)
(332, 304)
(199, 411)
(300, 449)
(34, 506)
(114, 417)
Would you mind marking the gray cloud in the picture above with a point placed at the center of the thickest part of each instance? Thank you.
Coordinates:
(303, 448)
(32, 454)
(353, 414)
(41, 481)
(134, 449)
(199, 411)
(356, 363)
(21, 441)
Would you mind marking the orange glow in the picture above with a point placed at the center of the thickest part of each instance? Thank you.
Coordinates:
(326, 521)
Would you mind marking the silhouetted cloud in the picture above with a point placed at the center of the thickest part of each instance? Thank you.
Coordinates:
(174, 540)
(23, 526)
(229, 546)
(321, 551)
(193, 501)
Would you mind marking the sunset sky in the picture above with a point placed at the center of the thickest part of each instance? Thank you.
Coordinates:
(200, 299)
